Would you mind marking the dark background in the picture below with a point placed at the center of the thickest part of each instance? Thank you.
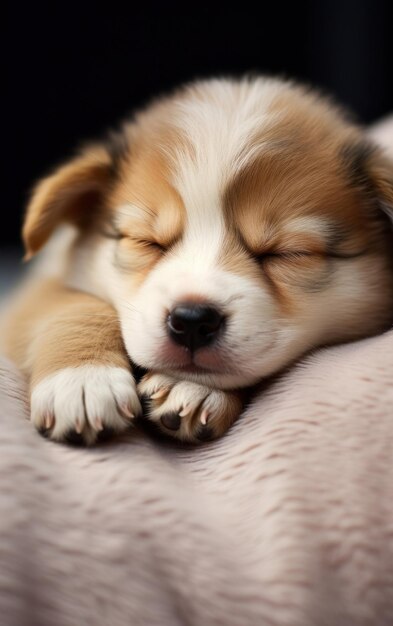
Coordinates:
(74, 70)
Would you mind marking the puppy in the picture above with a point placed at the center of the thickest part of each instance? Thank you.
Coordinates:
(225, 231)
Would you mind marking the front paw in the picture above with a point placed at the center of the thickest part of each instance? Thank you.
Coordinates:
(80, 404)
(186, 410)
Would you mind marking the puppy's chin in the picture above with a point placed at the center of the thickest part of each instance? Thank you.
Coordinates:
(208, 366)
(187, 369)
(212, 378)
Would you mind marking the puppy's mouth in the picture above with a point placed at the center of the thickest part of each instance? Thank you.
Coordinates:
(192, 368)
(204, 361)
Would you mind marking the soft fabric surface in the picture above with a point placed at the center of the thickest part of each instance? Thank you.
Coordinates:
(288, 520)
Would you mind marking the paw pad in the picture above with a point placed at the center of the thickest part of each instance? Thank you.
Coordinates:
(171, 421)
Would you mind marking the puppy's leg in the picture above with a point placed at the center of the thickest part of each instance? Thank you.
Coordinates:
(69, 345)
(189, 411)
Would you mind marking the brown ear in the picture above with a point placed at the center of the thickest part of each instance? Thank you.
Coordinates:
(371, 170)
(381, 169)
(71, 194)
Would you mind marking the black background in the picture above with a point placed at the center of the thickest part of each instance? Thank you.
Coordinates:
(73, 70)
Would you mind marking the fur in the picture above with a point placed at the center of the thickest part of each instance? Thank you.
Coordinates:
(256, 196)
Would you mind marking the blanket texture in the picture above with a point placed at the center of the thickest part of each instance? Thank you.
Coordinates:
(287, 520)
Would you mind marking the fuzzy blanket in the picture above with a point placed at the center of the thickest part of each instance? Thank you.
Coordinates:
(287, 520)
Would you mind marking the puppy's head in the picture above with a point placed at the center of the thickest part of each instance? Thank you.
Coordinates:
(234, 226)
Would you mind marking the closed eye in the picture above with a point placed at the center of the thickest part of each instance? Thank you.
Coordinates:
(300, 254)
(286, 254)
(151, 244)
(112, 233)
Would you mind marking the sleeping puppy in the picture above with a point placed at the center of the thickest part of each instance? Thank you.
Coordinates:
(225, 231)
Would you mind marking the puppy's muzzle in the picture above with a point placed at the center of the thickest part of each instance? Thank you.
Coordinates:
(194, 325)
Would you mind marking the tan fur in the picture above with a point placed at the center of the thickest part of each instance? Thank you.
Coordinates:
(145, 184)
(67, 196)
(53, 327)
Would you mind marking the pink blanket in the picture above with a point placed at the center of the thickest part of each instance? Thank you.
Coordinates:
(288, 520)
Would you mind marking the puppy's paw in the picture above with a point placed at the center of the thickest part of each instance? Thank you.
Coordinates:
(186, 410)
(85, 403)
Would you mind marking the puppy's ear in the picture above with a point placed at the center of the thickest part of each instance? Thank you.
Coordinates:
(382, 173)
(73, 193)
(371, 170)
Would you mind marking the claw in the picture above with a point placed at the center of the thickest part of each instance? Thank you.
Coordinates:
(159, 394)
(98, 425)
(49, 420)
(204, 417)
(78, 425)
(127, 412)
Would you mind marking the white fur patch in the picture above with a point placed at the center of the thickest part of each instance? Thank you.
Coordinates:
(84, 399)
(221, 121)
(253, 328)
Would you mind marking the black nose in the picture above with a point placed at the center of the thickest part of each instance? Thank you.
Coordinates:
(194, 325)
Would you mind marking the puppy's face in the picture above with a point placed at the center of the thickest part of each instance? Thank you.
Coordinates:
(234, 226)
